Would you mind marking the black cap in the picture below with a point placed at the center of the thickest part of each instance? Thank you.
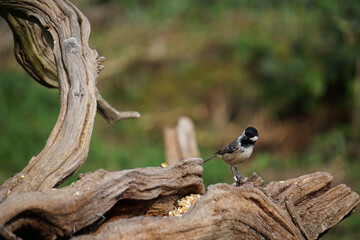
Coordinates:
(251, 132)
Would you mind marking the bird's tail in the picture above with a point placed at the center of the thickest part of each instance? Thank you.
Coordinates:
(215, 155)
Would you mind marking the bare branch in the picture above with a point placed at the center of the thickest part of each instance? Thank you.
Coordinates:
(111, 114)
(65, 32)
(34, 51)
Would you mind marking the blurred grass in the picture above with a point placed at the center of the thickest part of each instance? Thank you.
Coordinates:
(287, 68)
(28, 113)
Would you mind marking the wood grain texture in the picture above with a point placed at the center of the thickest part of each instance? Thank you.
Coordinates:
(59, 212)
(246, 212)
(224, 212)
(67, 146)
(34, 46)
(299, 189)
(51, 43)
(318, 206)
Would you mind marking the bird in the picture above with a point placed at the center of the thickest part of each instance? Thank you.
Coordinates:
(238, 151)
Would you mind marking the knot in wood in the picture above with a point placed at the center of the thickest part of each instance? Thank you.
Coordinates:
(79, 93)
(72, 44)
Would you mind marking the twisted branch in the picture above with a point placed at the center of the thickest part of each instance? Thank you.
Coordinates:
(51, 43)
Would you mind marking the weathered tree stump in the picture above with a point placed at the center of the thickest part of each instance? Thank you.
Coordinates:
(180, 142)
(51, 43)
(61, 212)
(252, 211)
(134, 204)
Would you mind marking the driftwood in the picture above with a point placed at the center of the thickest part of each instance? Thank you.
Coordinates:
(132, 204)
(248, 212)
(61, 212)
(51, 43)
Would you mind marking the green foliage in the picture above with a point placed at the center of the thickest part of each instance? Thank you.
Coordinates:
(28, 113)
(277, 61)
(290, 57)
(327, 147)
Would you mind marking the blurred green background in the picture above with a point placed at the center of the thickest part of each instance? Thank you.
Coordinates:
(289, 68)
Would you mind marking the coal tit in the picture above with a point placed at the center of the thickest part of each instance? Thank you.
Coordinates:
(238, 151)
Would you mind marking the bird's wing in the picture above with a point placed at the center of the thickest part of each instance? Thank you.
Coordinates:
(230, 148)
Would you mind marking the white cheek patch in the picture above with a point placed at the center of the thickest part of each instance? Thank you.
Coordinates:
(254, 139)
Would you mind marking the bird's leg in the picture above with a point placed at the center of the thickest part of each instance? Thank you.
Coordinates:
(237, 175)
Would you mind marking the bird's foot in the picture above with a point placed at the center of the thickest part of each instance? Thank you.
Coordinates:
(237, 177)
(240, 180)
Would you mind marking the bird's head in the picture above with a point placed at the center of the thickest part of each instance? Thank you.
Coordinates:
(251, 134)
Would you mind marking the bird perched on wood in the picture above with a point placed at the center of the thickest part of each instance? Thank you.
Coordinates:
(238, 151)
